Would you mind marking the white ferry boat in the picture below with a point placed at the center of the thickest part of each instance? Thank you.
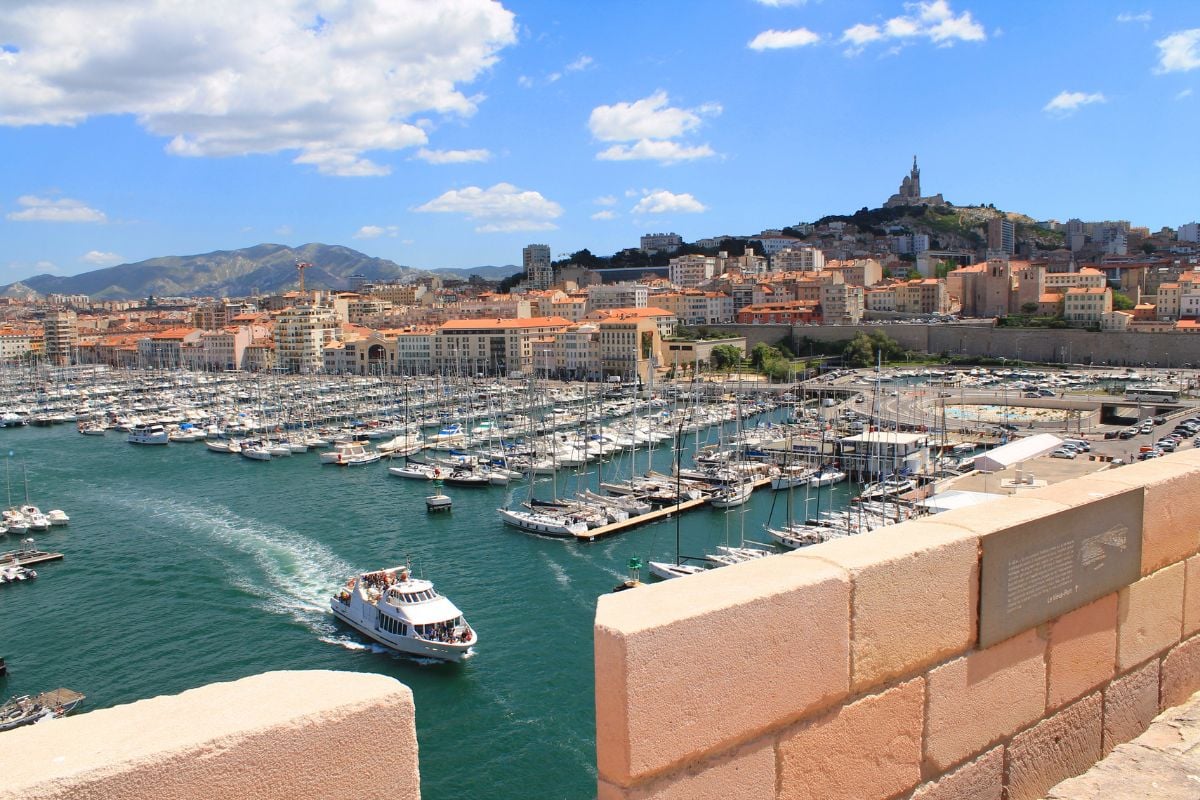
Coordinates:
(148, 434)
(404, 613)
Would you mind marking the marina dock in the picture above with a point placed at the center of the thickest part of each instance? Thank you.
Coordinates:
(25, 558)
(651, 516)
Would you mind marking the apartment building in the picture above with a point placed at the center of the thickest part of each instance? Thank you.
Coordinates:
(780, 312)
(59, 336)
(217, 350)
(798, 258)
(491, 347)
(1084, 307)
(692, 270)
(696, 307)
(414, 351)
(865, 272)
(653, 243)
(617, 295)
(664, 320)
(164, 350)
(922, 296)
(301, 333)
(841, 304)
(539, 273)
(15, 344)
(880, 298)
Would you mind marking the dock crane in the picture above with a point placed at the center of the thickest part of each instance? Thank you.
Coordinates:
(300, 267)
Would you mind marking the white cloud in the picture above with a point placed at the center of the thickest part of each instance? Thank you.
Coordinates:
(779, 40)
(44, 209)
(1179, 52)
(453, 156)
(501, 208)
(651, 124)
(375, 231)
(101, 259)
(663, 151)
(579, 64)
(648, 118)
(328, 81)
(929, 19)
(284, 230)
(604, 215)
(780, 3)
(525, 82)
(1065, 103)
(661, 201)
(1128, 16)
(605, 200)
(1183, 93)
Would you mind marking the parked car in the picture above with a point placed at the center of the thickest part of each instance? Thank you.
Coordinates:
(1063, 452)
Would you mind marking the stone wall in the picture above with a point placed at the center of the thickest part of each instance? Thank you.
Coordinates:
(276, 735)
(853, 669)
(1025, 344)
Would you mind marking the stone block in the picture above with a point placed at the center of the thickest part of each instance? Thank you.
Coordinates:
(981, 779)
(1057, 748)
(278, 734)
(867, 750)
(1191, 596)
(1130, 704)
(687, 667)
(1172, 504)
(1149, 616)
(747, 774)
(1180, 673)
(1082, 650)
(976, 700)
(916, 588)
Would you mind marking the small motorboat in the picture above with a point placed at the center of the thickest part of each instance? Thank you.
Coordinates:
(26, 710)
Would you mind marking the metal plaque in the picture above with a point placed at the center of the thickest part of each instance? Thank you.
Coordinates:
(1039, 570)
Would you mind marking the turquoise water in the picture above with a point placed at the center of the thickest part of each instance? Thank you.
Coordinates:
(185, 567)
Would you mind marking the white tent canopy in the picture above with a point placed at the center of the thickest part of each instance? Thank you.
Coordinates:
(1012, 453)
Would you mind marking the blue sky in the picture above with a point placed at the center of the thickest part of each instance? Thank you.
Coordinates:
(450, 134)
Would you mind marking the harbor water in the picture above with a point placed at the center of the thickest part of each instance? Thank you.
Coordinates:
(186, 567)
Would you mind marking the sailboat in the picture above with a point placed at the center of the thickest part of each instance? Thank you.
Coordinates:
(665, 569)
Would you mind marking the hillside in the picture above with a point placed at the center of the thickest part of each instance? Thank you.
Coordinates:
(949, 226)
(223, 273)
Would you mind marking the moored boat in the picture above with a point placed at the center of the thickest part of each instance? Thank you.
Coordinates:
(26, 710)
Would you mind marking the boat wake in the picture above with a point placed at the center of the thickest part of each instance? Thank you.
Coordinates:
(291, 574)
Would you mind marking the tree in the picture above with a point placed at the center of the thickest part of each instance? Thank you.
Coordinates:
(1148, 248)
(944, 268)
(1029, 308)
(507, 284)
(726, 355)
(914, 274)
(764, 353)
(1122, 302)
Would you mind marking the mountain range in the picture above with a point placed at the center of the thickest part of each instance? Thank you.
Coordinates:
(263, 268)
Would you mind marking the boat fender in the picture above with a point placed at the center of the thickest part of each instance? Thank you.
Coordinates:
(437, 473)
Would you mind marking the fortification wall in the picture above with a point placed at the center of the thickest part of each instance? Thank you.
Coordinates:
(856, 669)
(277, 735)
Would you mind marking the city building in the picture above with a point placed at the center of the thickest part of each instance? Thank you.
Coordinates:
(535, 258)
(1085, 307)
(780, 312)
(1001, 236)
(693, 307)
(798, 258)
(617, 295)
(490, 347)
(301, 333)
(841, 304)
(164, 350)
(922, 296)
(692, 270)
(1189, 232)
(654, 243)
(414, 351)
(60, 335)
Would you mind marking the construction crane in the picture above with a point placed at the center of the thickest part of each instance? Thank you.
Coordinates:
(300, 267)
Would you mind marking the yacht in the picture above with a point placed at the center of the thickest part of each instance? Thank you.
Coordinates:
(148, 434)
(827, 476)
(346, 454)
(544, 524)
(891, 486)
(405, 614)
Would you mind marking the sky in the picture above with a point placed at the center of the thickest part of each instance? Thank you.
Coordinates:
(450, 133)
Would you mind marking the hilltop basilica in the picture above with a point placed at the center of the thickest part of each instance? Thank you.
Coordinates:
(910, 192)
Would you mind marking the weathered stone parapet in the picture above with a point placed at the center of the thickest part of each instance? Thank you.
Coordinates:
(290, 735)
(858, 665)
